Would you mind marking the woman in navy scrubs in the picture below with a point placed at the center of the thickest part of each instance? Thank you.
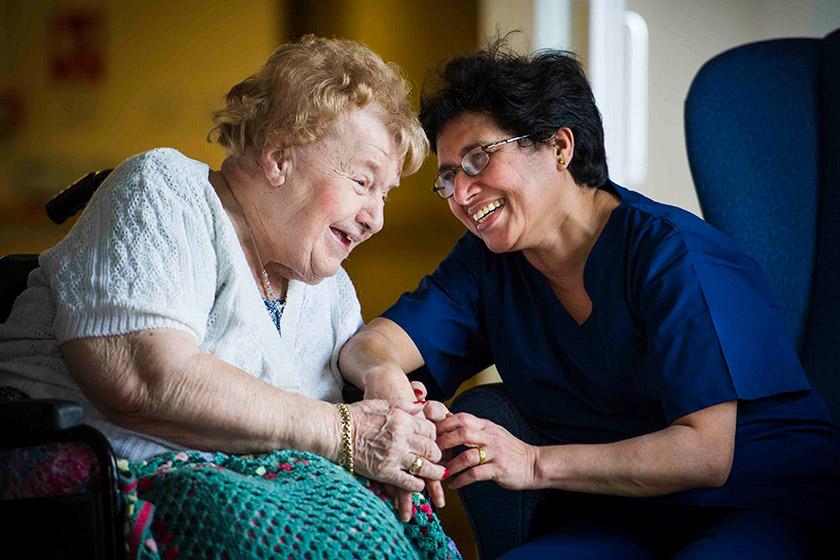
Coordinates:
(660, 404)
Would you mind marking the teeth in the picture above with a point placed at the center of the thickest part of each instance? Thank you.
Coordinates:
(341, 235)
(484, 212)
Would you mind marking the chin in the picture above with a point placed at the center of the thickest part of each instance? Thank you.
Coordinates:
(496, 245)
(319, 274)
(497, 248)
(308, 276)
(316, 277)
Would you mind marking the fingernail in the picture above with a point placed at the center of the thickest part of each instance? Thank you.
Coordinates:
(445, 473)
(448, 414)
(417, 392)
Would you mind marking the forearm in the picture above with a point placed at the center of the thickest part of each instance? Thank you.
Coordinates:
(377, 359)
(366, 352)
(158, 383)
(670, 460)
(213, 405)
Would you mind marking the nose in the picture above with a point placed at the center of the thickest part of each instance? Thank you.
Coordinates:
(465, 188)
(372, 217)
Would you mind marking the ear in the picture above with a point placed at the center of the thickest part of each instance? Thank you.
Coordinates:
(564, 147)
(275, 164)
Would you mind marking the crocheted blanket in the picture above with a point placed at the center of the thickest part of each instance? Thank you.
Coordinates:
(287, 504)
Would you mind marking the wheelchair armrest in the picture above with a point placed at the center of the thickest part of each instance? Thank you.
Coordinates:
(32, 423)
(37, 416)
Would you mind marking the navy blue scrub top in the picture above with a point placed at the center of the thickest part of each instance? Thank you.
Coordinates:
(681, 320)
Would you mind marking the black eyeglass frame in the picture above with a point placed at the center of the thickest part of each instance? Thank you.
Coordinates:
(487, 149)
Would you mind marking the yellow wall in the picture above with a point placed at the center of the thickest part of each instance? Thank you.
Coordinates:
(167, 66)
(166, 70)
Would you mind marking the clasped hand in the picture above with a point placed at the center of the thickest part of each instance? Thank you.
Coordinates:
(389, 443)
(492, 453)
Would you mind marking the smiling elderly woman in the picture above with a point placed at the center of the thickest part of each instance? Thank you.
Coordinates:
(193, 309)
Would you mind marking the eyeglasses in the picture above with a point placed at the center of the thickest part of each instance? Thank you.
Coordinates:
(472, 163)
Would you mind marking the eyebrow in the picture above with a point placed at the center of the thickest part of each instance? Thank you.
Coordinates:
(369, 164)
(376, 167)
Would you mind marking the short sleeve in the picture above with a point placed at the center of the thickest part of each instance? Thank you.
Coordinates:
(141, 256)
(713, 332)
(443, 317)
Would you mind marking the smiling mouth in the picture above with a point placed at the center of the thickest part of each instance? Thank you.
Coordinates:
(342, 237)
(485, 211)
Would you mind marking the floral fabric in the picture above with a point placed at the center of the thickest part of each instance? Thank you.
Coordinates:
(48, 470)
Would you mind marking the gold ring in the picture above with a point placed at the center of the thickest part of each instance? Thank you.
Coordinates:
(482, 455)
(415, 467)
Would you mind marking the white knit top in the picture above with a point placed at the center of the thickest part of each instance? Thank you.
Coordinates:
(155, 249)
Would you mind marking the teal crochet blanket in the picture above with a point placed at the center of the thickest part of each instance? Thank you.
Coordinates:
(286, 504)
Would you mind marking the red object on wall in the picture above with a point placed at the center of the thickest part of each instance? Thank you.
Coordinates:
(77, 46)
(11, 112)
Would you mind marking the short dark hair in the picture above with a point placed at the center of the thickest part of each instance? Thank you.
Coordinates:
(535, 94)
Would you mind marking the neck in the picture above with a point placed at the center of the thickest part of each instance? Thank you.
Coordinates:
(237, 208)
(563, 254)
(233, 179)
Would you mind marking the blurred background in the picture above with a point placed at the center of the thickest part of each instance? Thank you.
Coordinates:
(85, 84)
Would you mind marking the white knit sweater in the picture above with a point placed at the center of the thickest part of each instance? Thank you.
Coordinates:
(155, 249)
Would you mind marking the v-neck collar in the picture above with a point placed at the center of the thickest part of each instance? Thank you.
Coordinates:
(601, 245)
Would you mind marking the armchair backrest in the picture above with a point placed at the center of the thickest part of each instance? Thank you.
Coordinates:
(763, 136)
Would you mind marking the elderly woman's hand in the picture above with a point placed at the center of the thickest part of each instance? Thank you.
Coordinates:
(434, 411)
(493, 453)
(389, 438)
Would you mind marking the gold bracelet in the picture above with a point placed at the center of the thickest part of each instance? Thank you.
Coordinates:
(346, 454)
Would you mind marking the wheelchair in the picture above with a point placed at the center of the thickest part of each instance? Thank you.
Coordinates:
(59, 495)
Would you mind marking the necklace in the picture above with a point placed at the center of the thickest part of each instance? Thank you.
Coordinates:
(269, 289)
(273, 304)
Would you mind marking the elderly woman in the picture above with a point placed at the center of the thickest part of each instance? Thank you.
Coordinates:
(658, 405)
(196, 309)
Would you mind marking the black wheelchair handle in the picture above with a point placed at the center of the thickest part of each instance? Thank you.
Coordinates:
(74, 198)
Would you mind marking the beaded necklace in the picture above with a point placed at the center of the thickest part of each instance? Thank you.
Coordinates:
(273, 304)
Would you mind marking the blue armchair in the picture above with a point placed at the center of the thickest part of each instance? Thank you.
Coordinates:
(762, 125)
